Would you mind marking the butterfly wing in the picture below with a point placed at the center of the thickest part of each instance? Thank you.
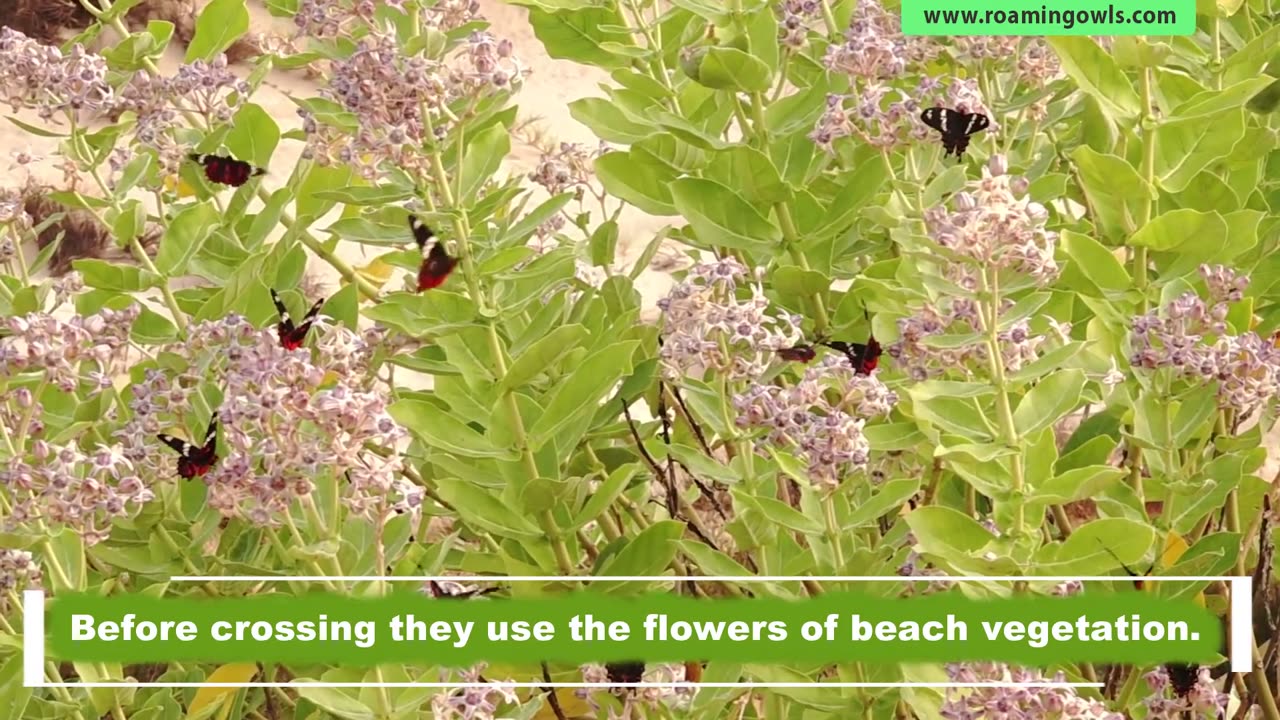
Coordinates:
(422, 234)
(799, 353)
(435, 268)
(180, 446)
(935, 117)
(286, 322)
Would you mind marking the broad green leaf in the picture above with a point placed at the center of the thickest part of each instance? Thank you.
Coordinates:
(643, 184)
(947, 533)
(604, 495)
(1185, 147)
(787, 516)
(542, 355)
(583, 390)
(441, 430)
(1175, 228)
(1047, 402)
(103, 275)
(648, 553)
(1096, 73)
(726, 68)
(1093, 548)
(11, 688)
(887, 498)
(482, 509)
(1114, 190)
(67, 560)
(254, 135)
(751, 173)
(1077, 484)
(1096, 262)
(579, 35)
(484, 155)
(334, 701)
(220, 24)
(721, 217)
(182, 239)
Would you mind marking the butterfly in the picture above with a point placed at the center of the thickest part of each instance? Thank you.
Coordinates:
(195, 461)
(863, 358)
(226, 170)
(955, 126)
(292, 336)
(437, 265)
(625, 672)
(1182, 676)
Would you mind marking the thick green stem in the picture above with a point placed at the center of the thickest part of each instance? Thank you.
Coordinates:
(1004, 409)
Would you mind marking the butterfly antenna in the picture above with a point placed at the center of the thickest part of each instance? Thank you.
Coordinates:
(1122, 564)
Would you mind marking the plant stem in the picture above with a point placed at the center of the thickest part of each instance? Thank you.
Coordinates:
(991, 325)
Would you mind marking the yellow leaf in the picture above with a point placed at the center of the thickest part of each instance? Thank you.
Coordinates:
(206, 696)
(174, 183)
(1174, 547)
(573, 706)
(377, 272)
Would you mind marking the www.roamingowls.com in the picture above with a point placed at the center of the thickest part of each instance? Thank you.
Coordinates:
(1065, 19)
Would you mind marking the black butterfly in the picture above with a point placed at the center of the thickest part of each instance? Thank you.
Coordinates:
(1182, 676)
(226, 170)
(292, 336)
(437, 265)
(863, 357)
(955, 126)
(625, 672)
(195, 461)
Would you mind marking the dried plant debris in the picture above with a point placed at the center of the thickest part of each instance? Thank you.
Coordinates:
(78, 233)
(53, 21)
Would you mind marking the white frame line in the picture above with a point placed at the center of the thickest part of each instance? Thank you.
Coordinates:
(1240, 631)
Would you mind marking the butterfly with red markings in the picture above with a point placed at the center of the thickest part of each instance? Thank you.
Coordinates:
(863, 357)
(193, 461)
(439, 591)
(292, 336)
(437, 265)
(955, 127)
(1182, 676)
(226, 170)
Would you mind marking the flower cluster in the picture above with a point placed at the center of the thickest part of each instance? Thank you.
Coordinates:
(821, 417)
(206, 88)
(568, 168)
(1189, 336)
(387, 93)
(886, 116)
(90, 348)
(796, 20)
(285, 418)
(1181, 691)
(996, 225)
(52, 82)
(706, 326)
(1016, 703)
(1035, 62)
(874, 47)
(477, 702)
(18, 569)
(84, 492)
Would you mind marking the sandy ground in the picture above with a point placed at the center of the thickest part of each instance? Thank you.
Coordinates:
(544, 100)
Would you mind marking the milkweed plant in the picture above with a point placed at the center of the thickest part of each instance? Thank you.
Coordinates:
(1051, 353)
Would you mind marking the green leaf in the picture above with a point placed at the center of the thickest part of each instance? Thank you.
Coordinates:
(1096, 73)
(1185, 147)
(639, 182)
(1077, 484)
(253, 136)
(751, 173)
(484, 155)
(182, 239)
(787, 516)
(334, 701)
(726, 68)
(11, 687)
(1051, 399)
(110, 276)
(443, 431)
(484, 510)
(648, 553)
(889, 497)
(1085, 552)
(1113, 188)
(542, 355)
(604, 495)
(1176, 228)
(722, 217)
(579, 35)
(1096, 262)
(583, 390)
(67, 554)
(947, 533)
(220, 24)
